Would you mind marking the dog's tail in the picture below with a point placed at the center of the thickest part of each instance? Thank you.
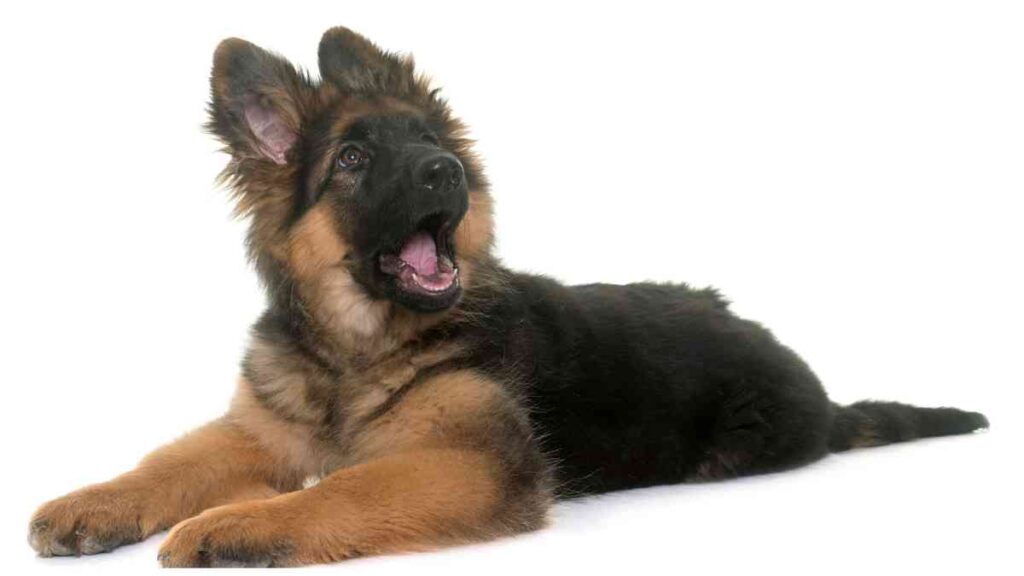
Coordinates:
(871, 423)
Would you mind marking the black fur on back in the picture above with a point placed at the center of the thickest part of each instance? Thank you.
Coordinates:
(649, 384)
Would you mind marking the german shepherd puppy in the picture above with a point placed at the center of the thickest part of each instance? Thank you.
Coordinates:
(438, 397)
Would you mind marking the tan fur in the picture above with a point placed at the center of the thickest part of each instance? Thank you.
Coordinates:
(294, 442)
(314, 244)
(398, 503)
(288, 446)
(210, 466)
(410, 469)
(283, 389)
(866, 437)
(344, 309)
(430, 415)
(475, 234)
(316, 255)
(379, 383)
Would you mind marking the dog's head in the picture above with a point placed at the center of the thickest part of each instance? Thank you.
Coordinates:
(363, 190)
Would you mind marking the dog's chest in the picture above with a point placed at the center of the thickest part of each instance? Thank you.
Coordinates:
(309, 415)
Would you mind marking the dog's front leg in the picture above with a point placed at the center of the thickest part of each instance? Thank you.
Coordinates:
(210, 466)
(452, 461)
(405, 502)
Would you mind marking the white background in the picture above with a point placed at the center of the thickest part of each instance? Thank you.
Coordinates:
(848, 173)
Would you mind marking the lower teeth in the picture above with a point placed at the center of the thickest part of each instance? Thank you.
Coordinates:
(419, 281)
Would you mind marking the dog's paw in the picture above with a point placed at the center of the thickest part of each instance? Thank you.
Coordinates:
(236, 535)
(89, 521)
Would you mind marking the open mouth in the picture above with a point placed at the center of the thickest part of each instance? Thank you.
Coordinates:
(423, 266)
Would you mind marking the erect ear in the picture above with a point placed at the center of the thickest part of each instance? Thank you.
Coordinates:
(355, 64)
(256, 101)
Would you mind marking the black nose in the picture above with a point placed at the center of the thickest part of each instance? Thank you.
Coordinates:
(438, 172)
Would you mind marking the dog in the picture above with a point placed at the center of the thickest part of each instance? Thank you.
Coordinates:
(404, 391)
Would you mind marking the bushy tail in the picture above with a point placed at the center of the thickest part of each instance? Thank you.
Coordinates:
(871, 423)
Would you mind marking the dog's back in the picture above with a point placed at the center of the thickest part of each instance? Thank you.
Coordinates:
(649, 384)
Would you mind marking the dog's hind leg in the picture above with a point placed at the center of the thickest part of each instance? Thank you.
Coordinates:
(755, 432)
(738, 434)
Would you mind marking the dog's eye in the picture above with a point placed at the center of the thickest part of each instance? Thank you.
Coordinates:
(352, 156)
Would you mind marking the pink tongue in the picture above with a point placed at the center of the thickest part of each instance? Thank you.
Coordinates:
(420, 252)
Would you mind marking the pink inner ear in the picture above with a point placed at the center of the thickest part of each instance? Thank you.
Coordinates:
(274, 136)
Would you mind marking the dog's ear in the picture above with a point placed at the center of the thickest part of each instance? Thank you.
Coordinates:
(355, 64)
(256, 101)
